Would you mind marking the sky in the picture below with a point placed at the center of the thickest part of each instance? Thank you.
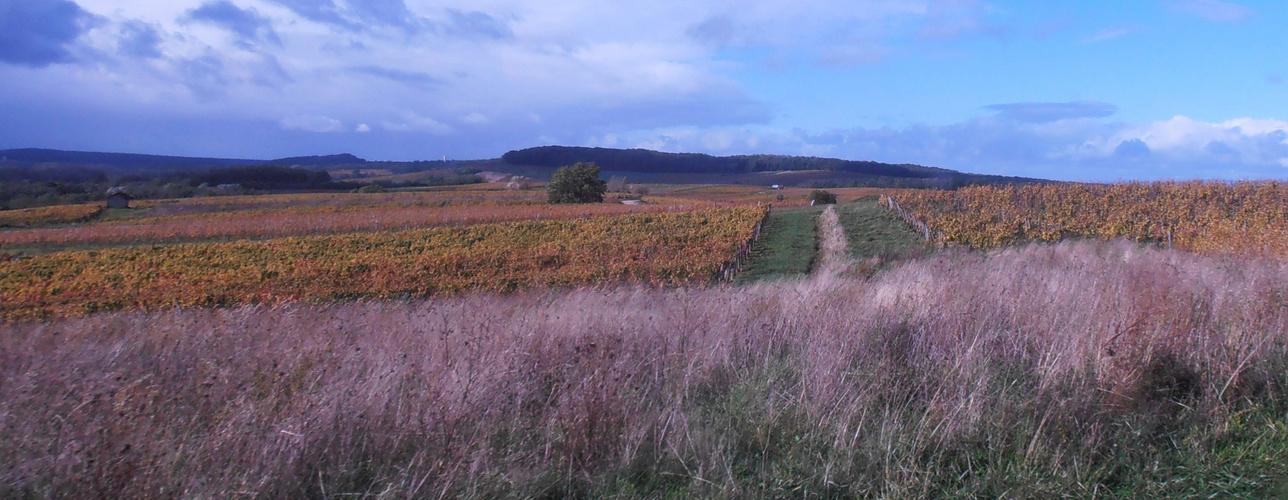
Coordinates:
(1093, 90)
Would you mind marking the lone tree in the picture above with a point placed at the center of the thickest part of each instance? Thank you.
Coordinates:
(578, 183)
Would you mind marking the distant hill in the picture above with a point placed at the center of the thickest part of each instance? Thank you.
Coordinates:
(127, 160)
(640, 165)
(644, 160)
(736, 168)
(318, 161)
(161, 162)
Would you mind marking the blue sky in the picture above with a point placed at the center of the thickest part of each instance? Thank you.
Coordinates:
(1091, 90)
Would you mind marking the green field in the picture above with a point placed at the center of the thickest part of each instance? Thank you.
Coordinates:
(787, 247)
(874, 231)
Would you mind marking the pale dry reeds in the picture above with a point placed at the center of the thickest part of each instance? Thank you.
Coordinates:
(834, 256)
(1041, 361)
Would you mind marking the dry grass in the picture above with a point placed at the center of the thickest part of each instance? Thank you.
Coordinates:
(1073, 370)
(834, 252)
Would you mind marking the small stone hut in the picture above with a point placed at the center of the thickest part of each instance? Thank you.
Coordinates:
(118, 198)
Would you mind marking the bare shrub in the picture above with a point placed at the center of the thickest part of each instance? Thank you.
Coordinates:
(907, 384)
(519, 182)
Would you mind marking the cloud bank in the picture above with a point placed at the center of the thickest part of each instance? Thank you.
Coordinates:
(395, 79)
(1074, 148)
(38, 33)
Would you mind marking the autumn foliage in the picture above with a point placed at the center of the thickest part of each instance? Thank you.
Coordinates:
(58, 214)
(1243, 217)
(305, 221)
(658, 249)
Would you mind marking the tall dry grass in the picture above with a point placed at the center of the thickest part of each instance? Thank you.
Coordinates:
(834, 254)
(1046, 371)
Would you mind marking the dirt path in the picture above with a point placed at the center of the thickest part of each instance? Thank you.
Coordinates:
(834, 257)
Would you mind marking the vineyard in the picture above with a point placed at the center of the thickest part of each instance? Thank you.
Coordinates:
(657, 249)
(228, 218)
(1213, 217)
(305, 220)
(472, 194)
(42, 216)
(792, 196)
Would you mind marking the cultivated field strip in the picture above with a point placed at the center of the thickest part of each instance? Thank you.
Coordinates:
(1214, 217)
(661, 249)
(304, 221)
(446, 195)
(57, 214)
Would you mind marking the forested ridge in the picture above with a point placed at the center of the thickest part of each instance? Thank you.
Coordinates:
(648, 161)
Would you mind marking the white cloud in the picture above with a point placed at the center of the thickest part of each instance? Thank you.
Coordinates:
(311, 123)
(511, 73)
(954, 18)
(1185, 135)
(1109, 34)
(412, 122)
(1242, 144)
(1253, 126)
(1068, 149)
(515, 73)
(577, 63)
(1215, 10)
(475, 119)
(1045, 112)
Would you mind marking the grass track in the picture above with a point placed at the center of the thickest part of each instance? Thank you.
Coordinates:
(788, 245)
(875, 232)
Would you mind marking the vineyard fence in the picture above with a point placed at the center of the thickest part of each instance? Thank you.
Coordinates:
(730, 269)
(921, 227)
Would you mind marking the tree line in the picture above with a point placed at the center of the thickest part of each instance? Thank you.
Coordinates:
(867, 173)
(27, 186)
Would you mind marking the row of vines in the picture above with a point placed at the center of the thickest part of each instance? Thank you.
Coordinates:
(1242, 217)
(303, 221)
(43, 216)
(659, 249)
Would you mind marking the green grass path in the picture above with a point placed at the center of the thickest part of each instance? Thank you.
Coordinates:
(788, 245)
(875, 231)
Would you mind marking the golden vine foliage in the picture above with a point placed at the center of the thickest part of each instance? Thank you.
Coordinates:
(58, 214)
(1241, 217)
(658, 249)
(304, 221)
(446, 195)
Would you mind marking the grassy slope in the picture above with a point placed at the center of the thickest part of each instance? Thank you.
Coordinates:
(787, 247)
(874, 231)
